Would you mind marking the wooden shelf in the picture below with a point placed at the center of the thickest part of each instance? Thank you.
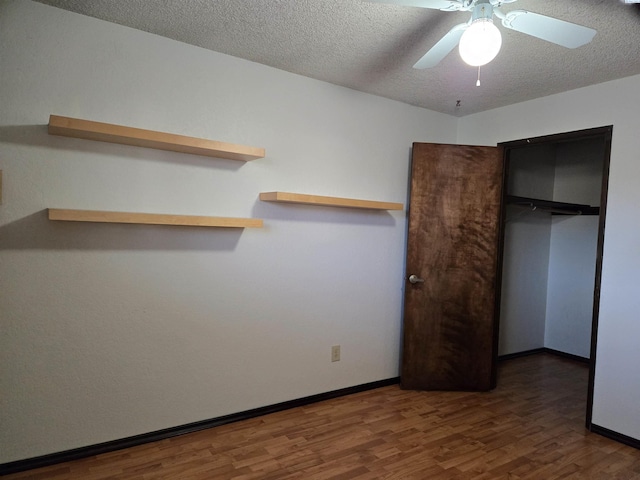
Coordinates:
(106, 132)
(285, 197)
(151, 218)
(558, 208)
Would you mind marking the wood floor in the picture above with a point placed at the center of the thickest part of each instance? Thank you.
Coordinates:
(531, 426)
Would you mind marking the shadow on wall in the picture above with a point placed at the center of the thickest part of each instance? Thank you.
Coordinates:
(36, 231)
(38, 136)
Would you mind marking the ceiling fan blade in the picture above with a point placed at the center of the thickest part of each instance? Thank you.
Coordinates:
(442, 48)
(550, 29)
(448, 5)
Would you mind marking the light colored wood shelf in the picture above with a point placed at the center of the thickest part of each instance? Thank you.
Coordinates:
(285, 197)
(151, 218)
(106, 132)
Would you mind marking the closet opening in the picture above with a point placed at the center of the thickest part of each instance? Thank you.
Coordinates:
(551, 241)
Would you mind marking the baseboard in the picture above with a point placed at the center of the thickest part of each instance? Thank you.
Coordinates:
(106, 447)
(570, 356)
(535, 351)
(526, 353)
(618, 437)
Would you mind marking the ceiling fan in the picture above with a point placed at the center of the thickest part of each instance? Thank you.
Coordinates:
(480, 39)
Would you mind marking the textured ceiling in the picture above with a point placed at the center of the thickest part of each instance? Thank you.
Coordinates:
(371, 47)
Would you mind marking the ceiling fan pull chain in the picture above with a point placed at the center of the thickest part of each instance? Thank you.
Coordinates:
(478, 81)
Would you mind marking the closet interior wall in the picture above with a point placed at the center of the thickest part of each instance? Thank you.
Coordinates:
(549, 260)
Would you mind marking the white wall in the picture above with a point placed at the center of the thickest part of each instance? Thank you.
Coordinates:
(110, 331)
(578, 172)
(572, 269)
(573, 248)
(525, 271)
(525, 257)
(617, 378)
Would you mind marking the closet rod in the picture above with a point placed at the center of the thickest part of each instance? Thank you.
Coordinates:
(552, 210)
(561, 208)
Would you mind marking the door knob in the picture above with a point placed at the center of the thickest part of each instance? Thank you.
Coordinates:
(415, 279)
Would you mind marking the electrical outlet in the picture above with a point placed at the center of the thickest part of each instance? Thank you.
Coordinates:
(335, 353)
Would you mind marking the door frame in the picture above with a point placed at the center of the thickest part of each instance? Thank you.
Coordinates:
(606, 134)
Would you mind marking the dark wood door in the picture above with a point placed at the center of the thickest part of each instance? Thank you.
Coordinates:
(450, 326)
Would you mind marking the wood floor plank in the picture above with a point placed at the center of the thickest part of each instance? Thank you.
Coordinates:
(531, 427)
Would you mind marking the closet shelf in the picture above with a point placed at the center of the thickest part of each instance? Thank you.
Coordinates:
(559, 208)
(300, 198)
(106, 132)
(151, 218)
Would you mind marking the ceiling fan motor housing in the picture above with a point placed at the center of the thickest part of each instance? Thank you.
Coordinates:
(482, 10)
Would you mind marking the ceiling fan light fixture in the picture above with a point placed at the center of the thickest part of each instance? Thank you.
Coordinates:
(480, 42)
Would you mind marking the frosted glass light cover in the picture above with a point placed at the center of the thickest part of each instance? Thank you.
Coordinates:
(480, 43)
